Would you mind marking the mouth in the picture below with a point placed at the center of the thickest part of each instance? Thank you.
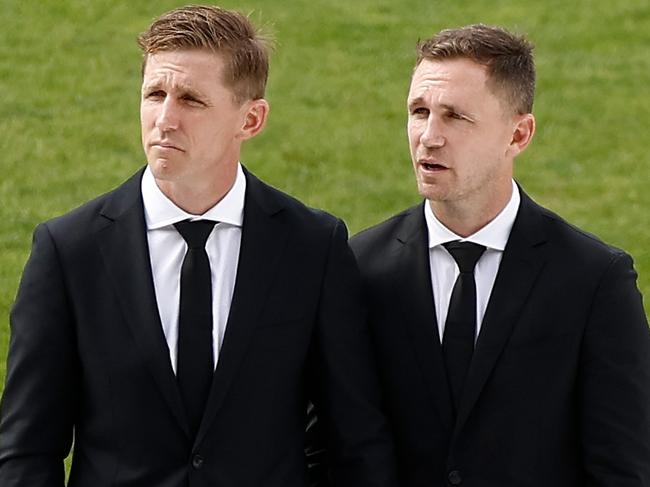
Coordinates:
(166, 146)
(430, 166)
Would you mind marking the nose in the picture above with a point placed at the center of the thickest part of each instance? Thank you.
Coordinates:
(168, 116)
(432, 136)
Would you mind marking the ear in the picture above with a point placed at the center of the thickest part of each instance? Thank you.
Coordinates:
(522, 135)
(255, 113)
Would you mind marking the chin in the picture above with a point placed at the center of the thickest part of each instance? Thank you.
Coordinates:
(162, 169)
(431, 192)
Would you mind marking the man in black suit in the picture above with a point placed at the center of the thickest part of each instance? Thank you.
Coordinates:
(529, 366)
(177, 351)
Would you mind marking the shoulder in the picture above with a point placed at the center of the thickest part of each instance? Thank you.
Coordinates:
(574, 242)
(288, 208)
(84, 219)
(384, 235)
(582, 259)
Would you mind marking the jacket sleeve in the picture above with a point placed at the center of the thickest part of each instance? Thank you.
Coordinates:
(614, 383)
(346, 396)
(39, 400)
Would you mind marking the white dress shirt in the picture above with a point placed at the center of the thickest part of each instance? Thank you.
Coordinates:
(167, 249)
(444, 269)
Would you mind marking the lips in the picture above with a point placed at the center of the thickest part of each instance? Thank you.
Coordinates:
(165, 146)
(431, 166)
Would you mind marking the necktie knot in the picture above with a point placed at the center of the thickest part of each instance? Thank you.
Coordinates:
(466, 254)
(195, 233)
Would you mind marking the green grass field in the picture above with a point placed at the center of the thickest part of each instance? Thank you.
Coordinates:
(69, 94)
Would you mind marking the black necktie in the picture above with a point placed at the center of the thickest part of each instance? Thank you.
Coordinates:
(458, 339)
(194, 367)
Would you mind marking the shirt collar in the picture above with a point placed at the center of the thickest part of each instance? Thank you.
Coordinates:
(494, 235)
(160, 211)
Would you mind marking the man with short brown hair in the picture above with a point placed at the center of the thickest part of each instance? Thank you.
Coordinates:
(178, 325)
(513, 348)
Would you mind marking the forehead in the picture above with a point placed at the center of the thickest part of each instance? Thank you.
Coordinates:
(458, 78)
(195, 67)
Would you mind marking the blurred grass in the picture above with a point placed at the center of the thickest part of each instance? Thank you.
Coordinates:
(69, 92)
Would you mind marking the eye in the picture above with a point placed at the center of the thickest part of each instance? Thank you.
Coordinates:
(456, 116)
(420, 112)
(193, 101)
(155, 95)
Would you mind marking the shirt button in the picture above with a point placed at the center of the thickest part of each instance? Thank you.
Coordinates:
(455, 478)
(197, 461)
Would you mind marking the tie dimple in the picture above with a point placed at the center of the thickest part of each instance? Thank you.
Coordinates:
(466, 254)
(195, 233)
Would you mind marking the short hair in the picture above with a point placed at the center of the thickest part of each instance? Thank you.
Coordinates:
(225, 32)
(508, 59)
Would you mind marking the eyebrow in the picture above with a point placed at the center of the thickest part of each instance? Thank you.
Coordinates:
(415, 101)
(180, 87)
(460, 111)
(452, 108)
(418, 100)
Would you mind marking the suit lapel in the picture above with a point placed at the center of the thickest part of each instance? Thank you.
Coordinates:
(413, 286)
(123, 244)
(519, 268)
(262, 242)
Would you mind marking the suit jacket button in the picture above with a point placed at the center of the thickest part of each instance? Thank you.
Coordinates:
(455, 478)
(197, 462)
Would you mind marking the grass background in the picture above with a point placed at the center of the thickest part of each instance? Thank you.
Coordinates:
(69, 94)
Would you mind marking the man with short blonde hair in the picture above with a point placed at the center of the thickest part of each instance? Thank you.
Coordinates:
(507, 58)
(513, 348)
(178, 325)
(225, 32)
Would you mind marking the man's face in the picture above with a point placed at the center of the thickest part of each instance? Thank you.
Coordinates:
(191, 124)
(459, 134)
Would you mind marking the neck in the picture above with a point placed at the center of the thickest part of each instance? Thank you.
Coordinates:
(198, 197)
(466, 218)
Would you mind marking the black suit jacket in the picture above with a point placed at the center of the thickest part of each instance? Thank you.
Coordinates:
(558, 392)
(87, 352)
